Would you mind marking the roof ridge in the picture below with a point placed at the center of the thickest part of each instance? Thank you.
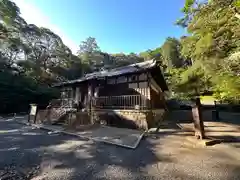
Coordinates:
(114, 72)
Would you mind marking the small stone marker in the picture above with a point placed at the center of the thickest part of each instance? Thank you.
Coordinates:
(33, 113)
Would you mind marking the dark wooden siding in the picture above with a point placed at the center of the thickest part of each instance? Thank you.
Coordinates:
(116, 90)
(157, 99)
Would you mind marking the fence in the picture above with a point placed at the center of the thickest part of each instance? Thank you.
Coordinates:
(121, 102)
(67, 102)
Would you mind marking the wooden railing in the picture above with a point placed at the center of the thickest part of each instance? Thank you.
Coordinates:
(109, 102)
(121, 102)
(68, 103)
(57, 113)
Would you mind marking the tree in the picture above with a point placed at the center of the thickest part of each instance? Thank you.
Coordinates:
(28, 56)
(121, 59)
(213, 41)
(73, 70)
(133, 58)
(152, 54)
(89, 52)
(170, 52)
(89, 45)
(45, 50)
(146, 55)
(213, 29)
(9, 12)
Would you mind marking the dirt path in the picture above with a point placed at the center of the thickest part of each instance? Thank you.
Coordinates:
(56, 156)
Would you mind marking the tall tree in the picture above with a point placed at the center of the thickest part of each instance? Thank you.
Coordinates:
(214, 40)
(89, 52)
(213, 28)
(45, 50)
(14, 48)
(89, 45)
(170, 51)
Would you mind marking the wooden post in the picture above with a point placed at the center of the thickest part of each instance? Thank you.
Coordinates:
(90, 102)
(197, 119)
(215, 113)
(48, 115)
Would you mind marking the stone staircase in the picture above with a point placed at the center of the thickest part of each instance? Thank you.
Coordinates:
(57, 114)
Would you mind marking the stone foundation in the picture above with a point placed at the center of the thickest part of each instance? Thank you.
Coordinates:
(136, 119)
(41, 116)
(157, 115)
(81, 118)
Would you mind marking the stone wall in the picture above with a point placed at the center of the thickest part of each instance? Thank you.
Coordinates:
(83, 118)
(136, 119)
(74, 120)
(47, 115)
(41, 116)
(157, 115)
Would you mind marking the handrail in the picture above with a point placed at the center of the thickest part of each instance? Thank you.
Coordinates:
(66, 102)
(122, 102)
(119, 96)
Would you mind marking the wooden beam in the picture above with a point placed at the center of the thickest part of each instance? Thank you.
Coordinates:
(153, 83)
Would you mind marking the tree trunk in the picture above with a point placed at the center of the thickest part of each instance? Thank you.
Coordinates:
(197, 120)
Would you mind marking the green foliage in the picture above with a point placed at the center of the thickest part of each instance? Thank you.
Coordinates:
(214, 30)
(9, 11)
(213, 45)
(207, 59)
(122, 59)
(28, 58)
(170, 51)
(17, 92)
(186, 83)
(227, 87)
(95, 59)
(89, 52)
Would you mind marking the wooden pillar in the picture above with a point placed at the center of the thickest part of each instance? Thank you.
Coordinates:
(77, 95)
(90, 99)
(72, 97)
(89, 96)
(149, 99)
(197, 119)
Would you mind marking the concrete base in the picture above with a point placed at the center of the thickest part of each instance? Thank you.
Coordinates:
(127, 138)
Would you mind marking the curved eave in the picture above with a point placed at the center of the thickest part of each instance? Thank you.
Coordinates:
(130, 69)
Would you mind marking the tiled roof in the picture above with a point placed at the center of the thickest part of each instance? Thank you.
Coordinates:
(138, 67)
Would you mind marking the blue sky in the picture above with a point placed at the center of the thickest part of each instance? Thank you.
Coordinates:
(118, 25)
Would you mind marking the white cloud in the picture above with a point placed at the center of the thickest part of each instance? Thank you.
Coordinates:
(33, 15)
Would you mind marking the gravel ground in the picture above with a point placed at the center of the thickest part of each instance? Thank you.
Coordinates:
(27, 153)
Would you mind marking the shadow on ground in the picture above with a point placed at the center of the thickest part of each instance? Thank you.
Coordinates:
(61, 156)
(227, 128)
(25, 148)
